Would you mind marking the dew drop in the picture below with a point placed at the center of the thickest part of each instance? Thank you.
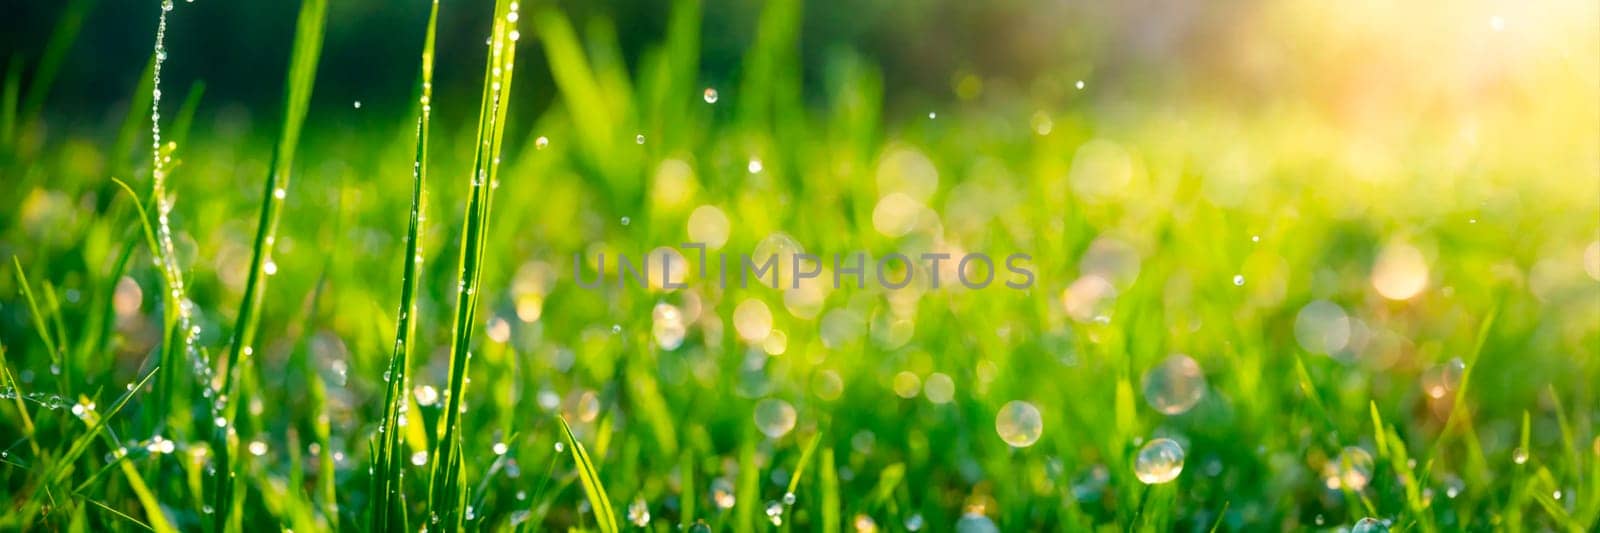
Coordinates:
(1174, 386)
(775, 513)
(774, 417)
(639, 512)
(1159, 461)
(1019, 424)
(1352, 469)
(710, 95)
(722, 493)
(1369, 525)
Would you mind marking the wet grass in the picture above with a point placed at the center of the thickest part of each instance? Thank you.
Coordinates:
(1324, 386)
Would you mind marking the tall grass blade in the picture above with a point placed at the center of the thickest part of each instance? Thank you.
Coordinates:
(446, 496)
(38, 317)
(297, 96)
(604, 516)
(388, 506)
(800, 466)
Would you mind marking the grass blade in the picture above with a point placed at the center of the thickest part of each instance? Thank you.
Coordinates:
(800, 466)
(590, 479)
(446, 497)
(297, 96)
(388, 508)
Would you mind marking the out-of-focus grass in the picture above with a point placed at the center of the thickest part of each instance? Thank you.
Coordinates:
(1385, 271)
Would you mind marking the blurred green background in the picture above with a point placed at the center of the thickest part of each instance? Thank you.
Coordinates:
(1373, 229)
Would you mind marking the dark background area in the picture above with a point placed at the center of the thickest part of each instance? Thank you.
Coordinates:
(239, 49)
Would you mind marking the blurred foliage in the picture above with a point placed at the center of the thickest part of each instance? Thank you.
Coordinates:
(1374, 228)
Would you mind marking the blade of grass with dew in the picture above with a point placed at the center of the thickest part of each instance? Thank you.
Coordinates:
(800, 466)
(69, 367)
(604, 516)
(1393, 450)
(1457, 404)
(122, 515)
(178, 317)
(388, 507)
(38, 317)
(297, 95)
(446, 497)
(61, 469)
(154, 513)
(10, 385)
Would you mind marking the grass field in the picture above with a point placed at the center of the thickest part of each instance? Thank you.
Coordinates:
(1361, 296)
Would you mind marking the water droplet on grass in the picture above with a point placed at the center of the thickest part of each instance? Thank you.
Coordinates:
(775, 513)
(1174, 386)
(710, 95)
(426, 395)
(722, 493)
(774, 417)
(1322, 327)
(973, 522)
(639, 512)
(1019, 424)
(1159, 461)
(1369, 525)
(1352, 469)
(1440, 379)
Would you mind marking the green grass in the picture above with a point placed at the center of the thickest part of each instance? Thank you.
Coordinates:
(497, 395)
(388, 490)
